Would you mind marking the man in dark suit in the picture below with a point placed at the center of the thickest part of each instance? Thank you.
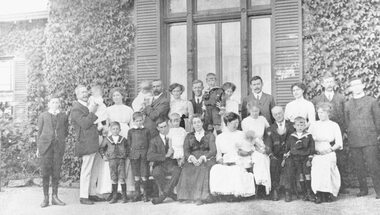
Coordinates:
(197, 100)
(87, 140)
(159, 107)
(52, 132)
(265, 101)
(337, 101)
(278, 133)
(362, 115)
(160, 158)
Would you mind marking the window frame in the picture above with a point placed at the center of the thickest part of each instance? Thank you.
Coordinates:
(12, 75)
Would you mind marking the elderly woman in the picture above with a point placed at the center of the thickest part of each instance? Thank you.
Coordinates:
(200, 152)
(325, 178)
(229, 177)
(118, 112)
(178, 105)
(300, 106)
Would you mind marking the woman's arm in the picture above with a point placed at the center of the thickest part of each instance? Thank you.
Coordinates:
(337, 138)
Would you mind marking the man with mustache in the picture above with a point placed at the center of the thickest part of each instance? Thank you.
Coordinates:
(264, 101)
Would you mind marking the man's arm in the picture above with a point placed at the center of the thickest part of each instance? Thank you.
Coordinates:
(84, 121)
(153, 155)
(154, 113)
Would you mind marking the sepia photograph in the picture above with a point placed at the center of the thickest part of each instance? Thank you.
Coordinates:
(189, 107)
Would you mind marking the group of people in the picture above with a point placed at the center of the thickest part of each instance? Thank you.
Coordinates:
(200, 150)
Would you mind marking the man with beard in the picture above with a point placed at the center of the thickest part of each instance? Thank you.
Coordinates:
(263, 100)
(159, 107)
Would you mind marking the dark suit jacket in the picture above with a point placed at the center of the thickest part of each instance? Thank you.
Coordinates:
(47, 133)
(156, 152)
(138, 142)
(159, 108)
(337, 112)
(266, 103)
(197, 106)
(86, 132)
(277, 143)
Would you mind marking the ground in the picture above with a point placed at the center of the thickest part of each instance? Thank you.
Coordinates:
(26, 200)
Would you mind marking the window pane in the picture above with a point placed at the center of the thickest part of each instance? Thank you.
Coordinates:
(177, 6)
(217, 4)
(260, 2)
(206, 50)
(6, 75)
(178, 63)
(261, 51)
(231, 56)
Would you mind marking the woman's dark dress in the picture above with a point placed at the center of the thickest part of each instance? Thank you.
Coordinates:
(194, 181)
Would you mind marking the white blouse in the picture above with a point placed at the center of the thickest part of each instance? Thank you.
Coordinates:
(325, 132)
(227, 145)
(300, 107)
(257, 125)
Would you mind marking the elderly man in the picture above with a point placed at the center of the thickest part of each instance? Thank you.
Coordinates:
(362, 114)
(278, 133)
(87, 140)
(264, 101)
(159, 107)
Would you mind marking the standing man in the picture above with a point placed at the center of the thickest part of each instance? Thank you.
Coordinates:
(362, 114)
(264, 101)
(160, 157)
(337, 101)
(87, 140)
(159, 107)
(197, 101)
(278, 133)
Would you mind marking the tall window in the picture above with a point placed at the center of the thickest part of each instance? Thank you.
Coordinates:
(6, 74)
(216, 36)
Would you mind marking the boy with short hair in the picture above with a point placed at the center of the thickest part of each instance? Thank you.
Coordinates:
(138, 144)
(300, 148)
(213, 99)
(115, 149)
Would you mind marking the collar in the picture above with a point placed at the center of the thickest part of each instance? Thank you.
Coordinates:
(198, 97)
(55, 112)
(278, 123)
(329, 93)
(158, 96)
(258, 94)
(135, 127)
(82, 102)
(361, 95)
(110, 138)
(304, 134)
(202, 132)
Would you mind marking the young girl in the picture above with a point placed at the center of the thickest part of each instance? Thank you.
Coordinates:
(52, 131)
(260, 162)
(97, 98)
(180, 106)
(176, 137)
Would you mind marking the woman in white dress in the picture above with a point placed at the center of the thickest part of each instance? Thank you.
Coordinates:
(180, 106)
(121, 113)
(325, 177)
(300, 106)
(229, 177)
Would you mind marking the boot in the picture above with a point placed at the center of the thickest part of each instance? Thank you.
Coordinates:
(288, 196)
(54, 198)
(124, 193)
(275, 195)
(363, 187)
(303, 190)
(138, 192)
(145, 193)
(309, 192)
(45, 187)
(318, 198)
(114, 194)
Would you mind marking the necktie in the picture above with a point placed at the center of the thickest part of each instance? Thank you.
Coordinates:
(198, 100)
(166, 145)
(258, 97)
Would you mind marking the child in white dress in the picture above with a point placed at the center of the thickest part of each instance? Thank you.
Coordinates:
(176, 137)
(97, 98)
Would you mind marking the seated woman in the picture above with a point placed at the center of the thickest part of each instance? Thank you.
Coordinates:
(229, 177)
(199, 150)
(325, 177)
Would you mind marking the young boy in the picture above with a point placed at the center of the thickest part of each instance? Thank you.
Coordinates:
(116, 153)
(52, 132)
(138, 144)
(300, 148)
(97, 98)
(213, 99)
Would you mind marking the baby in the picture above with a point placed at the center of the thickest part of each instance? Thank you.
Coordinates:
(97, 98)
(144, 97)
(176, 137)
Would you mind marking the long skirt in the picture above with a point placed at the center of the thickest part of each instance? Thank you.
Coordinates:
(325, 175)
(194, 181)
(231, 180)
(261, 170)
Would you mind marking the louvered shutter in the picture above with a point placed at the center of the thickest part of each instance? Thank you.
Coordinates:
(20, 85)
(287, 47)
(147, 40)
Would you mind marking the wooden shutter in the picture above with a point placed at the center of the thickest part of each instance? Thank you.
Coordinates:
(20, 85)
(147, 40)
(287, 40)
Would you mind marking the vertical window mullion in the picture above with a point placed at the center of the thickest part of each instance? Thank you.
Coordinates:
(218, 52)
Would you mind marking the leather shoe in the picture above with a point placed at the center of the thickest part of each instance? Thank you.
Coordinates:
(158, 200)
(172, 196)
(86, 201)
(362, 193)
(344, 191)
(95, 199)
(275, 195)
(45, 202)
(56, 201)
(288, 196)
